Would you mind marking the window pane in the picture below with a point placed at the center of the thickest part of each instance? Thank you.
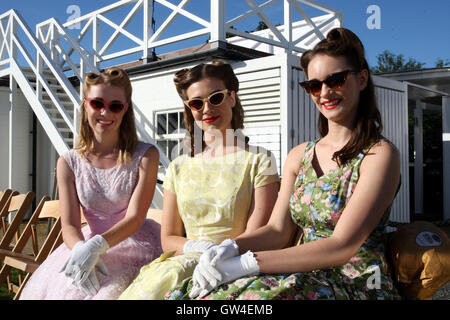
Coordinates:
(173, 149)
(181, 115)
(163, 145)
(161, 123)
(173, 122)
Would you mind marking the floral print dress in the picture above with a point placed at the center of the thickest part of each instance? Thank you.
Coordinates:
(316, 206)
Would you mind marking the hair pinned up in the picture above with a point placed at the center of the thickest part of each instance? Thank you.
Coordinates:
(341, 42)
(184, 78)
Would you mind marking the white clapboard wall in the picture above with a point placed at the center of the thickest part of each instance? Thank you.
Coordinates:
(259, 92)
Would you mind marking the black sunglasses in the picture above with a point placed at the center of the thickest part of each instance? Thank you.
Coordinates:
(334, 81)
(97, 104)
(214, 99)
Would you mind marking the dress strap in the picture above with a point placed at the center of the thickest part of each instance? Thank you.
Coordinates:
(309, 153)
(141, 148)
(358, 159)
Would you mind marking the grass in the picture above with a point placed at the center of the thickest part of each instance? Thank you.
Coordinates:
(4, 293)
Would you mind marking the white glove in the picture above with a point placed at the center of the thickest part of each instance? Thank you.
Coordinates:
(215, 255)
(91, 286)
(197, 246)
(231, 269)
(206, 272)
(83, 259)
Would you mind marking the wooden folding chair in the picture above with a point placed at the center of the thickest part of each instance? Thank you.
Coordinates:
(5, 197)
(47, 209)
(28, 263)
(18, 204)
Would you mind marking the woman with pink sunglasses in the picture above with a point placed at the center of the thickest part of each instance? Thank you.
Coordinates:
(220, 188)
(111, 176)
(337, 189)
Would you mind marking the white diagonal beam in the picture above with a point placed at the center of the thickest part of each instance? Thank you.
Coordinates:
(185, 13)
(244, 16)
(168, 21)
(123, 25)
(307, 19)
(121, 30)
(267, 21)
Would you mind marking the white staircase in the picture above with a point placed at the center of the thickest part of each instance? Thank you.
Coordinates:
(49, 105)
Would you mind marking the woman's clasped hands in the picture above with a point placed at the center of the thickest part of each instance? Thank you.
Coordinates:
(84, 257)
(220, 264)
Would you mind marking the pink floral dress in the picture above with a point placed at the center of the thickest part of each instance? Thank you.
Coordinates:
(104, 195)
(316, 206)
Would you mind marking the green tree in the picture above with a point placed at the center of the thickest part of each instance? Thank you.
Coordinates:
(261, 26)
(440, 63)
(391, 62)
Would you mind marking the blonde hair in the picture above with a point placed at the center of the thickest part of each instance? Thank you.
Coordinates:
(128, 139)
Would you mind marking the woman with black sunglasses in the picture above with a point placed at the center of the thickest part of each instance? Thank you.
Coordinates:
(220, 188)
(337, 189)
(112, 177)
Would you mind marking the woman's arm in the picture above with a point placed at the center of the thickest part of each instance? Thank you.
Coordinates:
(279, 231)
(69, 206)
(263, 200)
(374, 193)
(140, 199)
(172, 227)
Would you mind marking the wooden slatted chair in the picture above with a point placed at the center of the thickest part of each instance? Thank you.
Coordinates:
(28, 263)
(18, 205)
(47, 209)
(5, 197)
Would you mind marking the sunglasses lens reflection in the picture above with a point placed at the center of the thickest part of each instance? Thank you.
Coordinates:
(99, 105)
(195, 104)
(335, 81)
(217, 98)
(116, 107)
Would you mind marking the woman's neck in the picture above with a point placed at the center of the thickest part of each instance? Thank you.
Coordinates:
(338, 135)
(105, 145)
(220, 144)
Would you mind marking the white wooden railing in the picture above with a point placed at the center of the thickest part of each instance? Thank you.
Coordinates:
(16, 59)
(216, 27)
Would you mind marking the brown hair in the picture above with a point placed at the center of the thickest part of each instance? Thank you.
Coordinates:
(128, 139)
(217, 69)
(341, 42)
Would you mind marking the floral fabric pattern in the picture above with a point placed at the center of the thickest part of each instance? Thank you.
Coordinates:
(316, 206)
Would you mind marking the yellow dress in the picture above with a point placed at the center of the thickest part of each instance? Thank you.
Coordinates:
(213, 197)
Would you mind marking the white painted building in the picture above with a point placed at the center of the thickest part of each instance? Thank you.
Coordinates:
(278, 113)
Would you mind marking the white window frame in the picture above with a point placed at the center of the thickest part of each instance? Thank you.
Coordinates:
(176, 135)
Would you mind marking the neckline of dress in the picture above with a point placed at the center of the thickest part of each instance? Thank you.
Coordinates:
(219, 157)
(105, 169)
(329, 172)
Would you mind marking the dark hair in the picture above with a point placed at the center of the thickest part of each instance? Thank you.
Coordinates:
(217, 69)
(341, 42)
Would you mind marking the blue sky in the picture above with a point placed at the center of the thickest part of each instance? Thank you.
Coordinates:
(415, 28)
